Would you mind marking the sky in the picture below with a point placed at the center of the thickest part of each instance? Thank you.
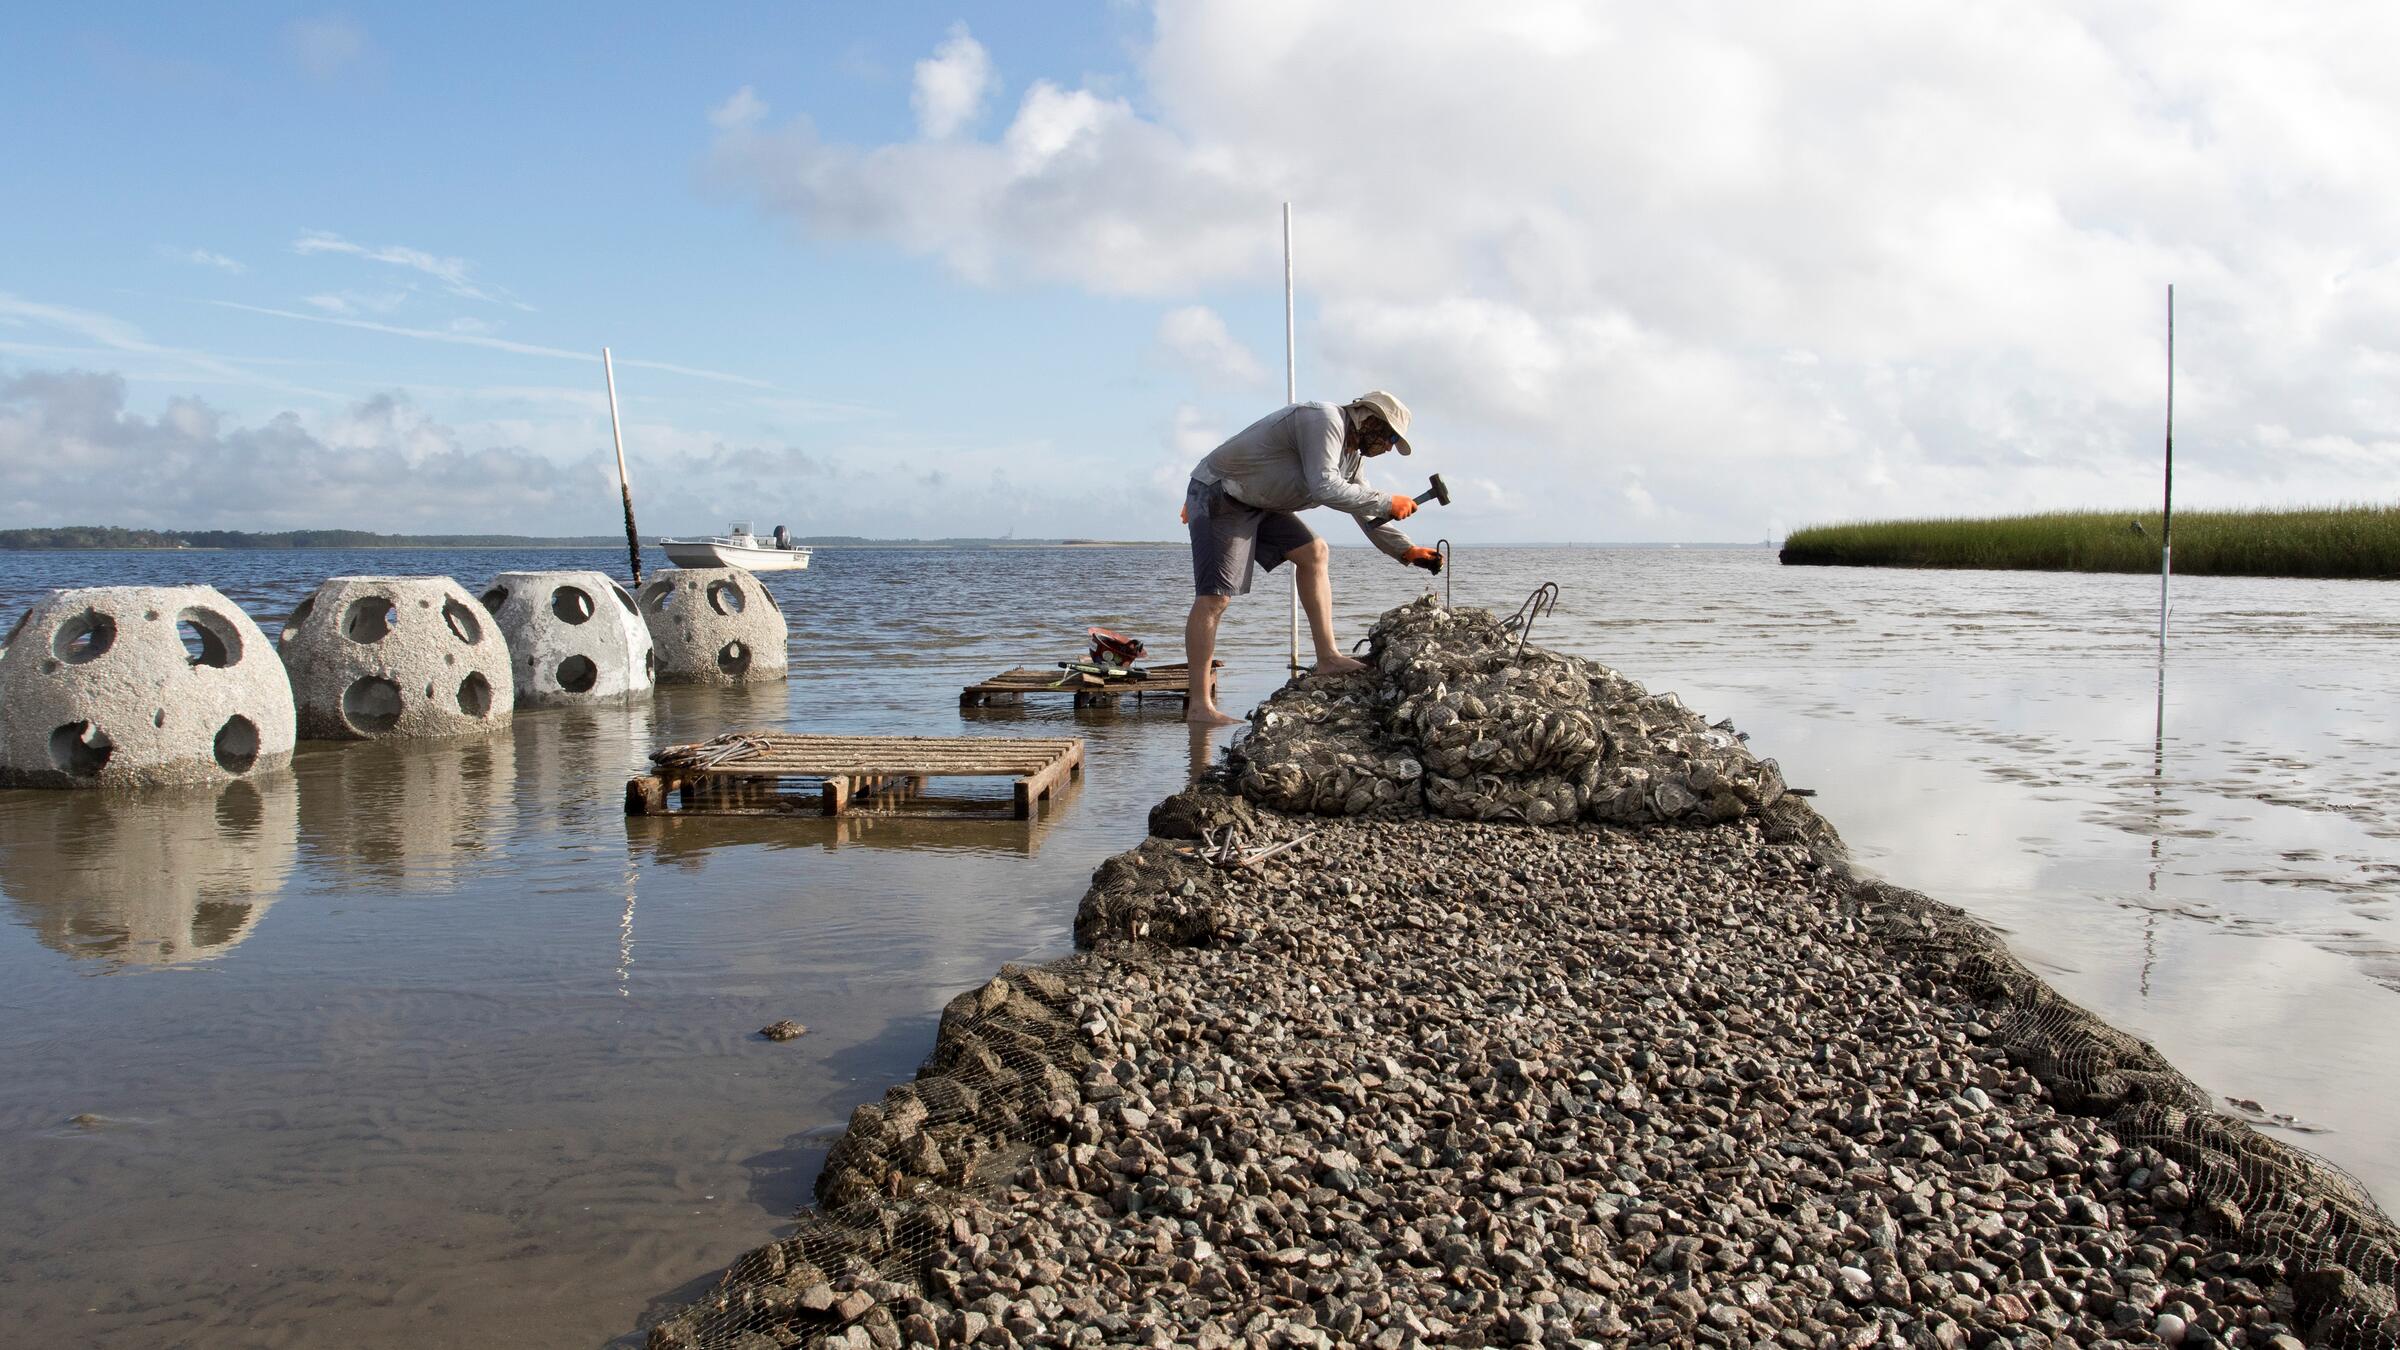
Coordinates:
(1644, 272)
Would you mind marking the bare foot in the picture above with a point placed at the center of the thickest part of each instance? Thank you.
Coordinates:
(1337, 665)
(1203, 715)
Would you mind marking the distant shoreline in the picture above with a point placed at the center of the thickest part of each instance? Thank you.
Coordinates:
(2359, 543)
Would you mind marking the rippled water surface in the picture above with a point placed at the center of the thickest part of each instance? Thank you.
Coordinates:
(430, 1045)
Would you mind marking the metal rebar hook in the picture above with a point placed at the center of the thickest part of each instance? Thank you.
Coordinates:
(1449, 558)
(1544, 600)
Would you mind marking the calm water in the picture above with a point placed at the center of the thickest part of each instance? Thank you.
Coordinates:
(432, 1045)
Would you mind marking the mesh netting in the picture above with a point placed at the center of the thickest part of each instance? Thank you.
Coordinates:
(1005, 1073)
(1456, 716)
(2312, 1223)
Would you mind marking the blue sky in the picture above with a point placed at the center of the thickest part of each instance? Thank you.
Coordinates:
(902, 270)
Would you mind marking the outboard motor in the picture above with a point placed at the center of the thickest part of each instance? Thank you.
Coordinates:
(783, 537)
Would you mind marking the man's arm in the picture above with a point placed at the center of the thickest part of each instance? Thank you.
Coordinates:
(1386, 536)
(1319, 438)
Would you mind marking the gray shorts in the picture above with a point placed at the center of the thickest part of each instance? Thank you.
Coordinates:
(1228, 534)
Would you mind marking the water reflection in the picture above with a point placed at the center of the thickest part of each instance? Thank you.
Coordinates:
(1203, 748)
(407, 814)
(161, 878)
(699, 711)
(2158, 768)
(570, 758)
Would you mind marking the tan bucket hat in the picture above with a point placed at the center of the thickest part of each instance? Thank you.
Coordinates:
(1391, 410)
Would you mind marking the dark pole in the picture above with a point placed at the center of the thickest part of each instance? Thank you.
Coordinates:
(2166, 524)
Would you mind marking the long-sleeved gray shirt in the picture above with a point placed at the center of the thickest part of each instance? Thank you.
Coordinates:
(1295, 458)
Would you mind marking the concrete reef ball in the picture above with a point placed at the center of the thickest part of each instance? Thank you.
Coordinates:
(574, 637)
(715, 625)
(374, 658)
(140, 686)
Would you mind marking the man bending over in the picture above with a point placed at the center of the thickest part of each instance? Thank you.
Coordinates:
(1240, 509)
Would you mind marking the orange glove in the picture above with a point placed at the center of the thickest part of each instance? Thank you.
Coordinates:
(1403, 506)
(1425, 558)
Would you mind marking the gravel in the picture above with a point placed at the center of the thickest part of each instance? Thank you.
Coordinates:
(1665, 1073)
(1465, 1084)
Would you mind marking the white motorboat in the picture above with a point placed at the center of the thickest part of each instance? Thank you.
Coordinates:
(740, 548)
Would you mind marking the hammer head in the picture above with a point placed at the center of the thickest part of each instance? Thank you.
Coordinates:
(1441, 490)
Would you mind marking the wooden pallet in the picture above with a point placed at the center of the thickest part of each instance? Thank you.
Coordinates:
(1090, 691)
(774, 773)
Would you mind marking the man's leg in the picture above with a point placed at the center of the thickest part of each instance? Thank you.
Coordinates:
(1316, 601)
(1199, 649)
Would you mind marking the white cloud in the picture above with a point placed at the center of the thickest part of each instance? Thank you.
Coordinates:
(1191, 435)
(450, 272)
(378, 464)
(325, 46)
(468, 336)
(744, 109)
(384, 462)
(952, 84)
(200, 257)
(1789, 265)
(116, 339)
(1196, 336)
(356, 302)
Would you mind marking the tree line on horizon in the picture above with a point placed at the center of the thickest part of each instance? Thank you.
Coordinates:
(111, 536)
(2354, 541)
(63, 537)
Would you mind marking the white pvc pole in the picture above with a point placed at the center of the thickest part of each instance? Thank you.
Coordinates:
(1291, 394)
(633, 541)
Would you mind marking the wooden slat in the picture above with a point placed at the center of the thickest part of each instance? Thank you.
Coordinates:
(847, 769)
(929, 768)
(1167, 681)
(1036, 786)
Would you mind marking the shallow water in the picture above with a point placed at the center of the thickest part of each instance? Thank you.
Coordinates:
(427, 1044)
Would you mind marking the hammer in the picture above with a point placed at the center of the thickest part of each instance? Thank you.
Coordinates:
(1439, 492)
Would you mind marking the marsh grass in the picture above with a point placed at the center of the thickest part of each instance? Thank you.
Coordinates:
(2339, 541)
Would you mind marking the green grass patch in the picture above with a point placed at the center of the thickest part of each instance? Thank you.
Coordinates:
(2339, 541)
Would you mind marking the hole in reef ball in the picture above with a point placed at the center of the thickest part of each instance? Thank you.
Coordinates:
(494, 598)
(475, 695)
(371, 704)
(369, 618)
(733, 658)
(623, 598)
(650, 666)
(725, 597)
(299, 616)
(463, 623)
(572, 604)
(84, 637)
(81, 749)
(658, 595)
(237, 744)
(209, 638)
(577, 674)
